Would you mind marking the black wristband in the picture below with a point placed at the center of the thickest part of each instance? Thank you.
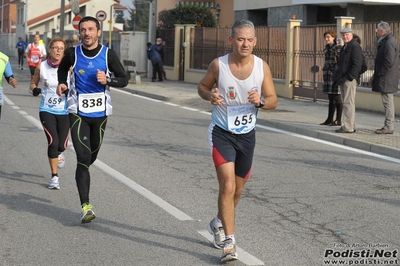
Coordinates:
(36, 91)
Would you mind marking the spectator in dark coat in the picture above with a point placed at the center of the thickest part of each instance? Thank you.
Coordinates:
(331, 52)
(347, 76)
(386, 74)
(155, 59)
(160, 49)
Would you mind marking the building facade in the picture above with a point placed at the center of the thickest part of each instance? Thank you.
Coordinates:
(314, 12)
(8, 17)
(40, 16)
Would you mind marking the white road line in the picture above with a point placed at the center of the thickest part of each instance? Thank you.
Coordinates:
(120, 177)
(376, 155)
(190, 109)
(143, 191)
(172, 104)
(344, 147)
(139, 96)
(243, 256)
(23, 113)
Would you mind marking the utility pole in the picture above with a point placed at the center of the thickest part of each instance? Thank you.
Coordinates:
(26, 21)
(62, 18)
(151, 34)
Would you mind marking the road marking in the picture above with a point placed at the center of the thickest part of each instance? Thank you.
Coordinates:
(120, 177)
(143, 191)
(376, 155)
(190, 109)
(243, 256)
(344, 147)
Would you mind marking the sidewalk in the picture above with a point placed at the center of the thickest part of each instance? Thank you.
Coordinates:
(298, 116)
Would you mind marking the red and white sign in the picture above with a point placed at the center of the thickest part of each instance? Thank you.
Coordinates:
(101, 15)
(75, 22)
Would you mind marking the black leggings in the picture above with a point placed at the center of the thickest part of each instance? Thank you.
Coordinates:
(87, 135)
(335, 102)
(20, 58)
(32, 70)
(56, 129)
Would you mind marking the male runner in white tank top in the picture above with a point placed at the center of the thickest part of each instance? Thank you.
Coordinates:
(243, 84)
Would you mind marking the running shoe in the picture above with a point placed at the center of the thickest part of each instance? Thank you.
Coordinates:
(30, 91)
(87, 213)
(218, 234)
(54, 184)
(61, 160)
(229, 252)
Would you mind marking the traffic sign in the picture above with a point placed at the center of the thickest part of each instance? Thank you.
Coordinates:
(101, 15)
(75, 22)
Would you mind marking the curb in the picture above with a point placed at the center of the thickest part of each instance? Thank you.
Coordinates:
(334, 138)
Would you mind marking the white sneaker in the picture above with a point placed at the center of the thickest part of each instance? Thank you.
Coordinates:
(30, 91)
(61, 160)
(54, 184)
(218, 234)
(229, 252)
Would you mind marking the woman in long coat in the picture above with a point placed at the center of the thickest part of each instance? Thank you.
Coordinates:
(331, 52)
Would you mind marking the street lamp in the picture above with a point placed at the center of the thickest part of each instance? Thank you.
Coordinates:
(134, 21)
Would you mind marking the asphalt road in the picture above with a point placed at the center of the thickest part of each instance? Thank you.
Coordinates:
(154, 191)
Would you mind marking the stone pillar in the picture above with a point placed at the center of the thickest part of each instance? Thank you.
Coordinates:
(341, 23)
(290, 60)
(186, 44)
(177, 51)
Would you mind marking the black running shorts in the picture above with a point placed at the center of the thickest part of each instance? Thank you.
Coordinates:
(236, 148)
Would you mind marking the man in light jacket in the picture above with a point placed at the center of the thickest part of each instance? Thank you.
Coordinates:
(386, 74)
(347, 76)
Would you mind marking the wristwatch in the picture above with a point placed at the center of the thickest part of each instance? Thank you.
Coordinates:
(109, 80)
(262, 103)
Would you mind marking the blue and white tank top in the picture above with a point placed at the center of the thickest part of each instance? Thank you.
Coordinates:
(236, 114)
(87, 96)
(51, 102)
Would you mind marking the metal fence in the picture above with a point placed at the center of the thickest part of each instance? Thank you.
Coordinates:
(168, 37)
(309, 58)
(209, 43)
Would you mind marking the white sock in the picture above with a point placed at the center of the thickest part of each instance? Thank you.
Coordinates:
(231, 237)
(217, 222)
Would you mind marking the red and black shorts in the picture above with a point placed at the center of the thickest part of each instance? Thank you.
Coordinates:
(228, 147)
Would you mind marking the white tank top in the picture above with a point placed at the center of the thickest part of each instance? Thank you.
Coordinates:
(236, 114)
(51, 102)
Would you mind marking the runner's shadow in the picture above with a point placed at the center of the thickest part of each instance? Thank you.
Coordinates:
(42, 207)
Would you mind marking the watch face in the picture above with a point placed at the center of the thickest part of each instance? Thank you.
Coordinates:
(108, 79)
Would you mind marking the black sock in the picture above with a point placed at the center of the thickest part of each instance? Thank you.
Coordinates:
(53, 175)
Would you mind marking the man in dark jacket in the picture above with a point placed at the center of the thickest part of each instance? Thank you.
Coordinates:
(386, 74)
(155, 59)
(160, 49)
(347, 76)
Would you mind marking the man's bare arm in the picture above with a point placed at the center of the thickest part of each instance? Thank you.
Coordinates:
(268, 89)
(206, 85)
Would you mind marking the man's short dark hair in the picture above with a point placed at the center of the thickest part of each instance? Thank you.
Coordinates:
(241, 24)
(89, 18)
